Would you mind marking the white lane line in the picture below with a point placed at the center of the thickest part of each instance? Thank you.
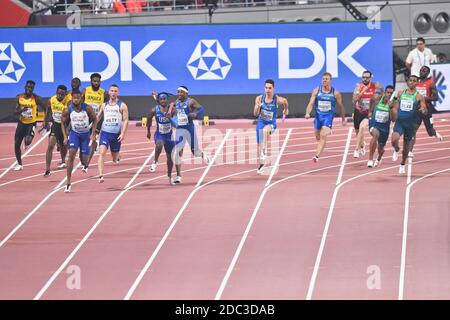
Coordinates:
(250, 223)
(277, 161)
(401, 283)
(26, 153)
(327, 224)
(97, 223)
(344, 157)
(172, 225)
(213, 160)
(408, 178)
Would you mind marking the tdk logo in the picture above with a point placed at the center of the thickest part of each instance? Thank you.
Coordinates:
(439, 80)
(209, 61)
(11, 66)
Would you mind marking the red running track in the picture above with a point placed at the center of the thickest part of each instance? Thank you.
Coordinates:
(238, 235)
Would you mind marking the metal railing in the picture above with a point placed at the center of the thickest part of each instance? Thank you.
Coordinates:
(107, 6)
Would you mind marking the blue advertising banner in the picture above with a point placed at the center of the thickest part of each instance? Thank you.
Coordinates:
(208, 59)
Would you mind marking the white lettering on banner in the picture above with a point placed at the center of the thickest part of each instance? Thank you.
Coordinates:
(321, 56)
(47, 49)
(126, 73)
(346, 56)
(284, 70)
(330, 56)
(140, 60)
(253, 46)
(78, 49)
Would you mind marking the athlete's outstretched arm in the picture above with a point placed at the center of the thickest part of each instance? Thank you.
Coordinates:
(373, 102)
(338, 96)
(422, 104)
(124, 109)
(65, 119)
(41, 102)
(379, 89)
(257, 106)
(311, 103)
(149, 122)
(284, 102)
(195, 108)
(100, 112)
(433, 93)
(356, 94)
(394, 110)
(48, 115)
(18, 110)
(93, 119)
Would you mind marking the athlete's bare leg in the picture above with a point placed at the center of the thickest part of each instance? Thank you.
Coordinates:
(324, 132)
(70, 160)
(373, 142)
(101, 159)
(360, 134)
(49, 153)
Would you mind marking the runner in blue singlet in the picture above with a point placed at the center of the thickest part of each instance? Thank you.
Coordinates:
(324, 99)
(266, 110)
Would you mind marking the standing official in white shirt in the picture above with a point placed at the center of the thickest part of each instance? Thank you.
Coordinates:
(419, 57)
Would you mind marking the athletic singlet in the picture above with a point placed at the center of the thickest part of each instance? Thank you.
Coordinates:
(325, 102)
(381, 113)
(68, 98)
(112, 117)
(363, 105)
(424, 87)
(268, 110)
(182, 112)
(29, 114)
(94, 98)
(408, 105)
(163, 124)
(79, 120)
(57, 108)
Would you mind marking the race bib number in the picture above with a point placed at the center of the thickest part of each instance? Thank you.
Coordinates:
(266, 115)
(79, 127)
(164, 128)
(57, 117)
(111, 122)
(324, 106)
(422, 91)
(365, 104)
(406, 105)
(27, 113)
(382, 116)
(182, 118)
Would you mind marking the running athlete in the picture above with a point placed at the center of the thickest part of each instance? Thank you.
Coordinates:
(427, 88)
(409, 103)
(115, 124)
(380, 117)
(324, 99)
(163, 135)
(266, 110)
(56, 105)
(362, 94)
(79, 115)
(186, 110)
(94, 96)
(26, 108)
(75, 84)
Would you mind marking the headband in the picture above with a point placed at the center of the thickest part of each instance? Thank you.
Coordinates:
(184, 89)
